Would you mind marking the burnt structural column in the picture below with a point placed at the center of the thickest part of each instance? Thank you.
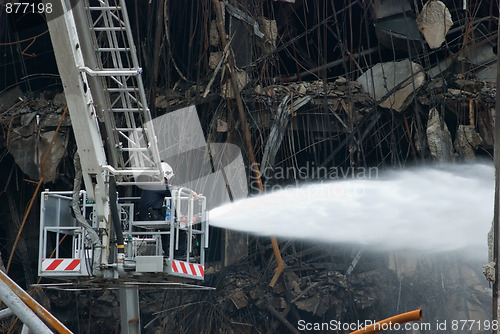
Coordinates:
(236, 243)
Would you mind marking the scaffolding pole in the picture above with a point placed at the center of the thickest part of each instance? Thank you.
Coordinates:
(22, 311)
(8, 284)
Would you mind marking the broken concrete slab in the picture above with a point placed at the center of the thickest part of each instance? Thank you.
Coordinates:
(227, 91)
(10, 97)
(484, 57)
(387, 8)
(440, 68)
(486, 126)
(214, 59)
(270, 30)
(439, 138)
(51, 121)
(470, 86)
(53, 158)
(467, 140)
(395, 24)
(214, 34)
(488, 74)
(222, 126)
(393, 84)
(239, 299)
(480, 54)
(28, 153)
(316, 304)
(434, 22)
(59, 99)
(31, 135)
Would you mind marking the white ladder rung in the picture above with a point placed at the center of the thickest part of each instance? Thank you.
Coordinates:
(129, 129)
(113, 49)
(109, 29)
(121, 90)
(134, 149)
(119, 110)
(104, 8)
(110, 72)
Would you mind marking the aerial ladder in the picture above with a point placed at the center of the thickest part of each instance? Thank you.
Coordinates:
(92, 235)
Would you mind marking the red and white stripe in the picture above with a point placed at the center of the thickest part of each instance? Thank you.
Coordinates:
(187, 268)
(64, 265)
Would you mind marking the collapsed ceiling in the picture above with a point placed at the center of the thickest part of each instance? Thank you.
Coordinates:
(409, 59)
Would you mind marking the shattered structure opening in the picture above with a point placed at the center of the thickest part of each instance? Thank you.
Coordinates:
(309, 91)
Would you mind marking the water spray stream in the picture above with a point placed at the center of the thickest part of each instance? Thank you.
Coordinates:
(428, 209)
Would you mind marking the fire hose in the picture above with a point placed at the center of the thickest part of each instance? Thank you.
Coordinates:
(397, 319)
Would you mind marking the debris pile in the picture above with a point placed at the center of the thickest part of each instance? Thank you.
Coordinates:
(37, 132)
(322, 284)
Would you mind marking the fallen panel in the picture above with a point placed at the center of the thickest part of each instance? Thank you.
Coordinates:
(434, 21)
(439, 137)
(467, 140)
(391, 84)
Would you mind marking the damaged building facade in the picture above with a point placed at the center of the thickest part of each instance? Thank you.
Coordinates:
(297, 85)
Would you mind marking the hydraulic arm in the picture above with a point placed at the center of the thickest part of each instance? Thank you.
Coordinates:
(117, 146)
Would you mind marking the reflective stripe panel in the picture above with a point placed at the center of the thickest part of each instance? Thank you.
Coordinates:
(186, 268)
(61, 264)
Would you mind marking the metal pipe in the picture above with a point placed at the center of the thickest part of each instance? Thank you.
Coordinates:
(177, 215)
(25, 330)
(397, 319)
(75, 205)
(33, 305)
(190, 224)
(204, 220)
(115, 218)
(24, 313)
(115, 215)
(6, 313)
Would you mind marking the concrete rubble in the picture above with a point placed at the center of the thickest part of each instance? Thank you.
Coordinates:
(434, 22)
(467, 141)
(270, 30)
(393, 84)
(381, 284)
(316, 286)
(439, 138)
(33, 137)
(484, 59)
(242, 80)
